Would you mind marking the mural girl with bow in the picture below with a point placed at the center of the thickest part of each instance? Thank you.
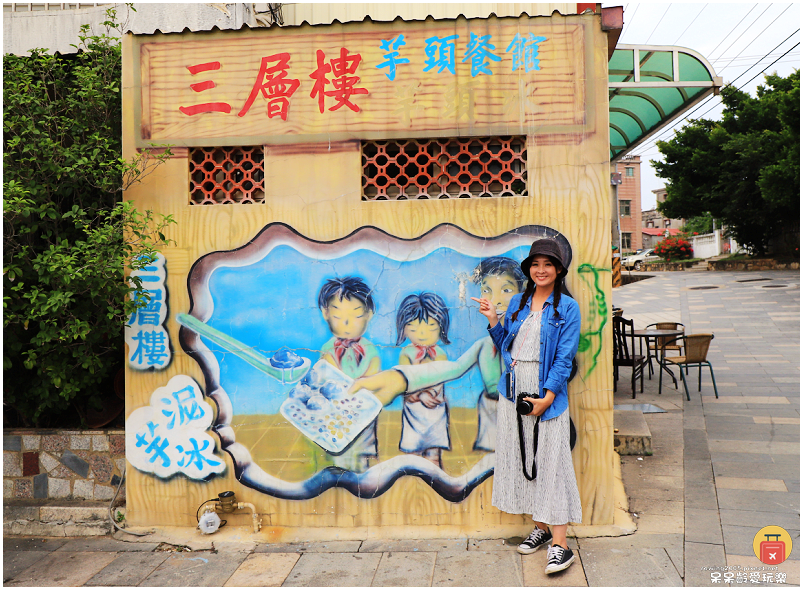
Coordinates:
(423, 319)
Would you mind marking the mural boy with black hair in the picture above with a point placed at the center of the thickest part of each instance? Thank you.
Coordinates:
(347, 306)
(424, 319)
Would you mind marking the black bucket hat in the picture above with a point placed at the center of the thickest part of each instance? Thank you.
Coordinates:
(546, 247)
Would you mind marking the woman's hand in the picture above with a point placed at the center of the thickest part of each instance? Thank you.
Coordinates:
(488, 309)
(386, 385)
(540, 405)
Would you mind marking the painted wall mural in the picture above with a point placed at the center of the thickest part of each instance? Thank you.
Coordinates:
(595, 317)
(278, 309)
(282, 327)
(145, 334)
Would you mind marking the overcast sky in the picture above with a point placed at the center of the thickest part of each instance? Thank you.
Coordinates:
(733, 37)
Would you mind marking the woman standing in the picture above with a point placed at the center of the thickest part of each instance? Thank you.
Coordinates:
(538, 342)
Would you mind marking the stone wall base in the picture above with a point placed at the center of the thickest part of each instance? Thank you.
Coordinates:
(757, 264)
(64, 464)
(666, 266)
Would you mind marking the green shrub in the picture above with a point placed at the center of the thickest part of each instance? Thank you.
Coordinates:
(67, 237)
(698, 225)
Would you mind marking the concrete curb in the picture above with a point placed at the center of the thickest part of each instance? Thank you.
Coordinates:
(77, 520)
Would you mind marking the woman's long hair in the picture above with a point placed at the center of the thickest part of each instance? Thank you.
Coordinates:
(558, 288)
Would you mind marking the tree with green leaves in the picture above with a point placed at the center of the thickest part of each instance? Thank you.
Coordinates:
(698, 225)
(743, 170)
(67, 236)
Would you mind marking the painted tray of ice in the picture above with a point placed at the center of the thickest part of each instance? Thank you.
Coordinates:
(320, 407)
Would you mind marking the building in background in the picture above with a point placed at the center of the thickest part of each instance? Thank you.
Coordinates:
(653, 235)
(629, 197)
(653, 219)
(55, 26)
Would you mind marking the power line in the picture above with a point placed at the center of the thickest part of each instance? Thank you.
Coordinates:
(631, 21)
(731, 31)
(707, 100)
(658, 23)
(758, 58)
(761, 33)
(746, 83)
(658, 137)
(761, 72)
(773, 63)
(699, 106)
(654, 140)
(745, 30)
(691, 23)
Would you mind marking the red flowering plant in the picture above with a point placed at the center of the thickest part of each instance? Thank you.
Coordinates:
(673, 249)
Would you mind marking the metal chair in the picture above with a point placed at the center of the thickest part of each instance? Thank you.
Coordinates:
(625, 353)
(696, 349)
(661, 341)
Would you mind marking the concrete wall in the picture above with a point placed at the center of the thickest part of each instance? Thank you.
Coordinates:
(57, 30)
(707, 245)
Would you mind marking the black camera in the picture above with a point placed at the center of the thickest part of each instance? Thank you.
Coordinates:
(524, 407)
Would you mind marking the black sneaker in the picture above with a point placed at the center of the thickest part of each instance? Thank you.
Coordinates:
(538, 538)
(558, 559)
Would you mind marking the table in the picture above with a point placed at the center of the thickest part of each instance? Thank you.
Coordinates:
(653, 333)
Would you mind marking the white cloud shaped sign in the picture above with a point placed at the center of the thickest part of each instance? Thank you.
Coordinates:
(171, 436)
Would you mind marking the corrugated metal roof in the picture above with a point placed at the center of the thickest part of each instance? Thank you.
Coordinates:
(57, 30)
(195, 17)
(240, 16)
(296, 14)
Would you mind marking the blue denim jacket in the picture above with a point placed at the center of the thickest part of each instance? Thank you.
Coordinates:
(558, 345)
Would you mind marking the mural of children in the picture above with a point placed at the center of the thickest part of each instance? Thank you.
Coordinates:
(347, 306)
(500, 278)
(424, 319)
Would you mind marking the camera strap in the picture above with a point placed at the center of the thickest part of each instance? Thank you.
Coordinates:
(532, 476)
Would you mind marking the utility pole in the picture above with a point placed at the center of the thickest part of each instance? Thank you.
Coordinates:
(616, 236)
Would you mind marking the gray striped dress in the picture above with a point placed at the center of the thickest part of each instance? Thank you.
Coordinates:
(552, 497)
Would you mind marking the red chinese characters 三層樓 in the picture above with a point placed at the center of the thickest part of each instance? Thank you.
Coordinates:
(273, 82)
(207, 107)
(344, 80)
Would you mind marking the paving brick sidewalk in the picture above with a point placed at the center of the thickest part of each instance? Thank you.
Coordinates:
(720, 470)
(740, 464)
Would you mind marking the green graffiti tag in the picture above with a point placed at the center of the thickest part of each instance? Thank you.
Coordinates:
(598, 313)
